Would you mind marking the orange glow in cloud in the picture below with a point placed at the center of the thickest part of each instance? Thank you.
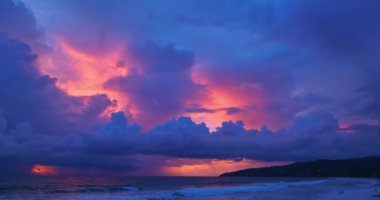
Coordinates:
(81, 73)
(44, 170)
(226, 96)
(211, 167)
(91, 70)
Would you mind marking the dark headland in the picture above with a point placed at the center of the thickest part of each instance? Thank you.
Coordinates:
(368, 167)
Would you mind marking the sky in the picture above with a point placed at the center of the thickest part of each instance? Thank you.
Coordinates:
(188, 88)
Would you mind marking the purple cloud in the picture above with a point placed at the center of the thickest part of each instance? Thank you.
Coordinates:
(161, 86)
(301, 67)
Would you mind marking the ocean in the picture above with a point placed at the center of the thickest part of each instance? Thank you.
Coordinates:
(161, 188)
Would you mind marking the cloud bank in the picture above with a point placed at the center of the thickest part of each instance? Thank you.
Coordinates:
(147, 82)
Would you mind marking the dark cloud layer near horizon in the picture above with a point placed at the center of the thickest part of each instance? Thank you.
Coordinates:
(114, 145)
(307, 69)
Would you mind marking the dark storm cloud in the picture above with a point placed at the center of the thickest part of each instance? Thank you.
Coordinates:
(96, 104)
(370, 93)
(309, 45)
(25, 93)
(28, 96)
(263, 49)
(22, 147)
(161, 86)
(339, 28)
(39, 121)
(18, 21)
(307, 138)
(183, 138)
(295, 57)
(112, 145)
(195, 108)
(344, 35)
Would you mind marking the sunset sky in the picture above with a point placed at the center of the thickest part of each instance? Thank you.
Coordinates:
(185, 87)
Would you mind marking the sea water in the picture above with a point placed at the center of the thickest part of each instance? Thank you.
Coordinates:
(160, 188)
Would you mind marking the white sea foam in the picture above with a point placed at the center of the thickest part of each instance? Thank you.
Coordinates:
(129, 192)
(204, 192)
(130, 188)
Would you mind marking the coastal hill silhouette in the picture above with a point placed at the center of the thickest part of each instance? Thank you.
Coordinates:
(367, 167)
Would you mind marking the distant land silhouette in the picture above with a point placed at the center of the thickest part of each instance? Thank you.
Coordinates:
(367, 167)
